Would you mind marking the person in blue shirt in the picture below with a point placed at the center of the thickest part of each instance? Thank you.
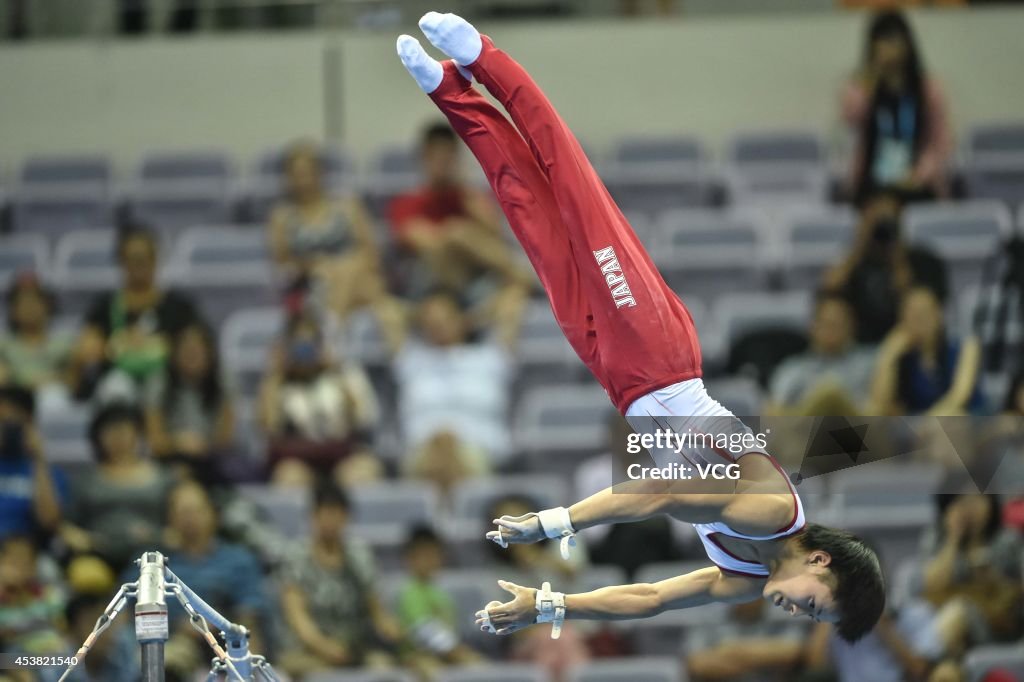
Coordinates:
(922, 369)
(32, 493)
(226, 576)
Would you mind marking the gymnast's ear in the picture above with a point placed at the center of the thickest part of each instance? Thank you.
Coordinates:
(819, 557)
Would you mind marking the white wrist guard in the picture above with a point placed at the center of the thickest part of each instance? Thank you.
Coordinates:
(556, 524)
(551, 609)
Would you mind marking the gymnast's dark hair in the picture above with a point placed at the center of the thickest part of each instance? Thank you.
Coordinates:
(858, 586)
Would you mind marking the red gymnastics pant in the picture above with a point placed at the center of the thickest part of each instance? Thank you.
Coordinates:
(611, 303)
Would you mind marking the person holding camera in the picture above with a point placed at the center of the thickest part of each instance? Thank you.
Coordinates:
(32, 493)
(880, 268)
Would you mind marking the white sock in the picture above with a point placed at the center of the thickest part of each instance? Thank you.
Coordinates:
(453, 35)
(426, 70)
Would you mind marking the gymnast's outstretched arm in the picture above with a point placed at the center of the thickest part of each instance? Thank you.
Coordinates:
(624, 602)
(759, 502)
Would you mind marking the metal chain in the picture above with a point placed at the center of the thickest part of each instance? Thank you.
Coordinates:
(127, 591)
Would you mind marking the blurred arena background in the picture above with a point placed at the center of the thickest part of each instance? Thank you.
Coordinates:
(262, 315)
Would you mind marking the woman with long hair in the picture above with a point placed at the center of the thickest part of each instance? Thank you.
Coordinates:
(189, 410)
(899, 117)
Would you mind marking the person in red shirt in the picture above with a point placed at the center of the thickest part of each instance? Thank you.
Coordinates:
(452, 231)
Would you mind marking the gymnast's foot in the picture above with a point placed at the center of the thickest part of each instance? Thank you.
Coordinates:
(426, 70)
(453, 35)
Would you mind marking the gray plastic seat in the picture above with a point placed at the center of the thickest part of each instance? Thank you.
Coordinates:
(706, 253)
(227, 268)
(23, 253)
(653, 669)
(210, 166)
(288, 511)
(561, 418)
(1005, 137)
(246, 338)
(384, 512)
(959, 231)
(816, 239)
(505, 672)
(59, 209)
(657, 173)
(362, 676)
(740, 314)
(472, 498)
(775, 165)
(72, 168)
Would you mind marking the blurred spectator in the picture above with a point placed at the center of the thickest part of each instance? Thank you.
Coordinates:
(227, 576)
(32, 492)
(834, 376)
(920, 369)
(627, 545)
(453, 233)
(330, 605)
(972, 572)
(31, 606)
(118, 507)
(427, 612)
(880, 268)
(746, 643)
(32, 355)
(314, 409)
(321, 241)
(190, 413)
(1015, 397)
(114, 656)
(896, 650)
(126, 337)
(453, 395)
(899, 116)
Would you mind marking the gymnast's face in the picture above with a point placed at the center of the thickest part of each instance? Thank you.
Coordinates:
(800, 587)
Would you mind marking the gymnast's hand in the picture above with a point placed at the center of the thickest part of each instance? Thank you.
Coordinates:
(504, 619)
(517, 530)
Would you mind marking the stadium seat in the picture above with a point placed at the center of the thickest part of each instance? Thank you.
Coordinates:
(226, 268)
(994, 167)
(246, 338)
(506, 672)
(958, 231)
(631, 669)
(657, 173)
(367, 676)
(83, 264)
(706, 253)
(815, 240)
(471, 499)
(562, 418)
(65, 436)
(286, 510)
(772, 166)
(740, 314)
(47, 170)
(172, 166)
(979, 662)
(886, 493)
(384, 512)
(542, 350)
(177, 190)
(59, 210)
(23, 253)
(58, 194)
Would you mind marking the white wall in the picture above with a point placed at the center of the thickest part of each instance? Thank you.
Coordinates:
(708, 76)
